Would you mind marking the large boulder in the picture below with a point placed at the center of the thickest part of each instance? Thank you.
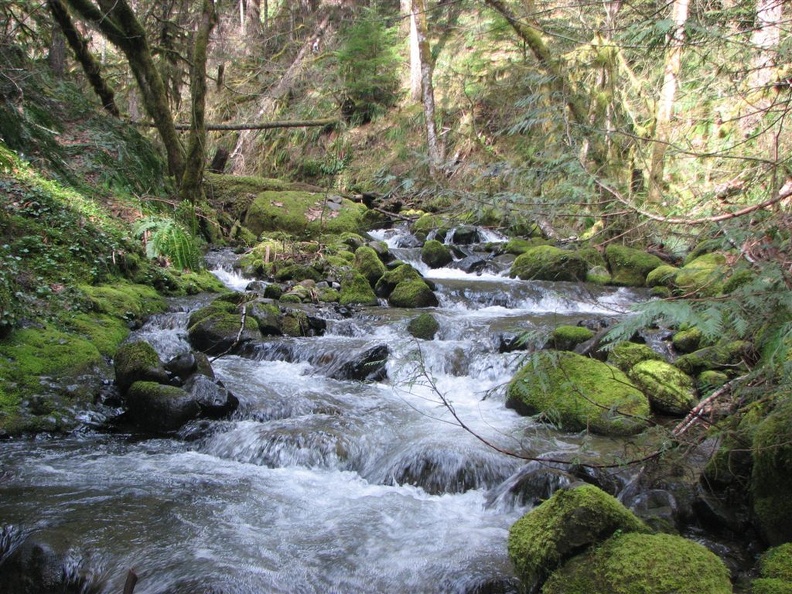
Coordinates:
(704, 275)
(646, 563)
(157, 408)
(423, 326)
(401, 273)
(567, 337)
(370, 365)
(578, 393)
(727, 356)
(570, 521)
(138, 361)
(214, 400)
(356, 290)
(546, 262)
(629, 267)
(42, 563)
(435, 254)
(670, 391)
(413, 294)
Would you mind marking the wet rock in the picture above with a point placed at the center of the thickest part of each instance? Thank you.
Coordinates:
(508, 343)
(41, 565)
(424, 326)
(435, 255)
(218, 328)
(157, 408)
(670, 391)
(256, 286)
(267, 316)
(186, 364)
(470, 264)
(214, 400)
(549, 263)
(368, 366)
(413, 294)
(138, 361)
(629, 267)
(465, 235)
(566, 338)
(368, 264)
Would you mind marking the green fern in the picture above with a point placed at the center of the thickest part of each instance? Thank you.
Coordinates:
(168, 240)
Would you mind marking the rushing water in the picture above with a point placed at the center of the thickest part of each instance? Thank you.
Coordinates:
(316, 484)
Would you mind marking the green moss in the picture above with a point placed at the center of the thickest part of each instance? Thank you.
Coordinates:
(626, 355)
(593, 256)
(558, 528)
(356, 290)
(368, 263)
(662, 276)
(709, 381)
(105, 332)
(28, 354)
(424, 326)
(598, 275)
(430, 222)
(295, 323)
(302, 213)
(669, 390)
(290, 298)
(549, 263)
(771, 586)
(646, 563)
(412, 294)
(722, 356)
(201, 282)
(566, 338)
(771, 481)
(687, 341)
(435, 254)
(777, 563)
(124, 300)
(389, 280)
(629, 267)
(578, 393)
(703, 276)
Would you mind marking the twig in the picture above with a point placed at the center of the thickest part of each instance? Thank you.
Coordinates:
(131, 580)
(242, 321)
(259, 126)
(696, 415)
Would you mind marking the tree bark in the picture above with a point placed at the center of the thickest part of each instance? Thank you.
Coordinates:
(196, 152)
(665, 108)
(415, 57)
(57, 53)
(117, 21)
(433, 142)
(89, 63)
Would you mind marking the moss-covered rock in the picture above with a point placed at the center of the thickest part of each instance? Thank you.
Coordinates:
(662, 276)
(771, 480)
(646, 563)
(43, 366)
(159, 408)
(703, 276)
(356, 290)
(629, 267)
(777, 563)
(566, 338)
(412, 294)
(709, 381)
(571, 520)
(138, 361)
(687, 341)
(626, 355)
(267, 316)
(424, 326)
(578, 393)
(295, 323)
(550, 263)
(726, 356)
(291, 271)
(124, 300)
(215, 329)
(368, 263)
(598, 275)
(435, 254)
(302, 213)
(388, 282)
(670, 391)
(517, 245)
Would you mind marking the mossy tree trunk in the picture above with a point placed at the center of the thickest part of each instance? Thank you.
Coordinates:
(89, 63)
(117, 21)
(196, 151)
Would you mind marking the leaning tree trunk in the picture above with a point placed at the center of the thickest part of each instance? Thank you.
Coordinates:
(196, 151)
(117, 21)
(79, 46)
(665, 109)
(433, 142)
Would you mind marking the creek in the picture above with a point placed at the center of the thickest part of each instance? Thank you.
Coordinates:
(318, 484)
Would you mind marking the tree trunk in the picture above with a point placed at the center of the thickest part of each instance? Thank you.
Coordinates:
(765, 38)
(57, 53)
(268, 101)
(196, 152)
(415, 58)
(665, 108)
(433, 142)
(79, 46)
(117, 21)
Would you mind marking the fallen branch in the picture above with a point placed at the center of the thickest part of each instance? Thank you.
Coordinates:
(259, 126)
(703, 408)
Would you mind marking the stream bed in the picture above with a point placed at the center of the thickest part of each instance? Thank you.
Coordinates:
(318, 485)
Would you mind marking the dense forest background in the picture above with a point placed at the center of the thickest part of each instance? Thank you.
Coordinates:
(656, 125)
